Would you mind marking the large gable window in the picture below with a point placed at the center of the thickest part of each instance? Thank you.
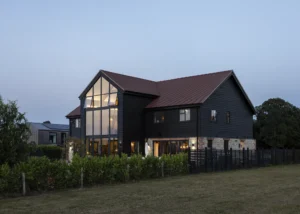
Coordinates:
(184, 115)
(102, 94)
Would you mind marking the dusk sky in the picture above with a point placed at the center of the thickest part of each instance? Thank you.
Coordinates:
(51, 50)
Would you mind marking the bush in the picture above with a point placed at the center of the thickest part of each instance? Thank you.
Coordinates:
(42, 174)
(52, 152)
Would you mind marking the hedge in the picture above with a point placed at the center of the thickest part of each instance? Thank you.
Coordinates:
(51, 151)
(45, 175)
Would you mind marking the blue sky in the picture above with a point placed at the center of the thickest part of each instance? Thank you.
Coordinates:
(50, 50)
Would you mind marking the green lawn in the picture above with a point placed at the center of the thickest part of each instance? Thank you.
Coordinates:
(264, 190)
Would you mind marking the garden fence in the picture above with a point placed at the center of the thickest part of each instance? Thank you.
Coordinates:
(211, 160)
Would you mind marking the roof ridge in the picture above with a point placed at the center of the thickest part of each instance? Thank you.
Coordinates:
(198, 75)
(105, 71)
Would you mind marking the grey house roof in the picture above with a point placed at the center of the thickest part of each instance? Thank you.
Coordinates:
(49, 126)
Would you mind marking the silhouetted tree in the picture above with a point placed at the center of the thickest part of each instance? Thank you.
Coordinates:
(14, 133)
(277, 124)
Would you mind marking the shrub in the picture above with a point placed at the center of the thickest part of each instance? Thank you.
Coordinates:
(52, 152)
(42, 174)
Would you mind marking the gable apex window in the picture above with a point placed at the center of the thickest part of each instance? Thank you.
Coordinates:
(159, 117)
(228, 118)
(184, 115)
(101, 94)
(213, 115)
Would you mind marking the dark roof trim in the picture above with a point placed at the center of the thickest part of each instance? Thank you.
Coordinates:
(101, 73)
(174, 107)
(240, 87)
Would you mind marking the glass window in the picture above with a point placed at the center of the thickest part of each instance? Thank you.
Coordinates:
(184, 114)
(97, 101)
(88, 102)
(159, 117)
(90, 92)
(227, 117)
(77, 123)
(89, 123)
(134, 147)
(97, 147)
(113, 89)
(213, 116)
(105, 100)
(105, 122)
(113, 146)
(52, 138)
(104, 146)
(97, 122)
(113, 121)
(105, 86)
(113, 100)
(97, 87)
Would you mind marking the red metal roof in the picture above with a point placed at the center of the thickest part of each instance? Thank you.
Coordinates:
(188, 90)
(175, 92)
(74, 113)
(133, 84)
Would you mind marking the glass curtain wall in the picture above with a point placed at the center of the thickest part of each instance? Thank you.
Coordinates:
(101, 105)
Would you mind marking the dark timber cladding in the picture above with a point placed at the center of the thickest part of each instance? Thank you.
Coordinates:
(227, 98)
(139, 100)
(171, 127)
(133, 124)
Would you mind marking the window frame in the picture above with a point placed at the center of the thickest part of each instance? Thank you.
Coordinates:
(228, 117)
(162, 117)
(184, 113)
(78, 123)
(53, 134)
(213, 115)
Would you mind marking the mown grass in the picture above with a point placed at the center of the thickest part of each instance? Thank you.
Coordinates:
(264, 190)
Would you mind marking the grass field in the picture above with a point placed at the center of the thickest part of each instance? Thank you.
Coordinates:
(264, 190)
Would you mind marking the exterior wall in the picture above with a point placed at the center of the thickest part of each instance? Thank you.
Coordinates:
(74, 132)
(233, 143)
(171, 127)
(34, 134)
(43, 136)
(227, 97)
(134, 120)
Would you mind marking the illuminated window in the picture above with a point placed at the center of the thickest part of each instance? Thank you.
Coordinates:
(113, 121)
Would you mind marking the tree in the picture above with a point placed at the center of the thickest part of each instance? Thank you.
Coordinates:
(14, 133)
(277, 124)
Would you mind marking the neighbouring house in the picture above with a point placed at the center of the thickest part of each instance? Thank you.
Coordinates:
(119, 113)
(48, 133)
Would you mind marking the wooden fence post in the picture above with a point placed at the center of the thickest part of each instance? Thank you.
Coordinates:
(205, 159)
(244, 159)
(23, 183)
(162, 169)
(211, 160)
(81, 178)
(294, 156)
(189, 160)
(248, 158)
(230, 159)
(128, 171)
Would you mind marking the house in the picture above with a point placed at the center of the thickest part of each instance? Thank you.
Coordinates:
(119, 113)
(47, 133)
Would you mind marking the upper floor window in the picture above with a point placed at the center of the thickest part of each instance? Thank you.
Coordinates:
(184, 115)
(77, 123)
(213, 115)
(159, 117)
(102, 94)
(228, 117)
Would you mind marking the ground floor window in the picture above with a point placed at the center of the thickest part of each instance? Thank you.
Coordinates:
(52, 138)
(134, 147)
(170, 147)
(102, 146)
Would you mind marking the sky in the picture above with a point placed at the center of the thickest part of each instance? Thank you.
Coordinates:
(51, 50)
